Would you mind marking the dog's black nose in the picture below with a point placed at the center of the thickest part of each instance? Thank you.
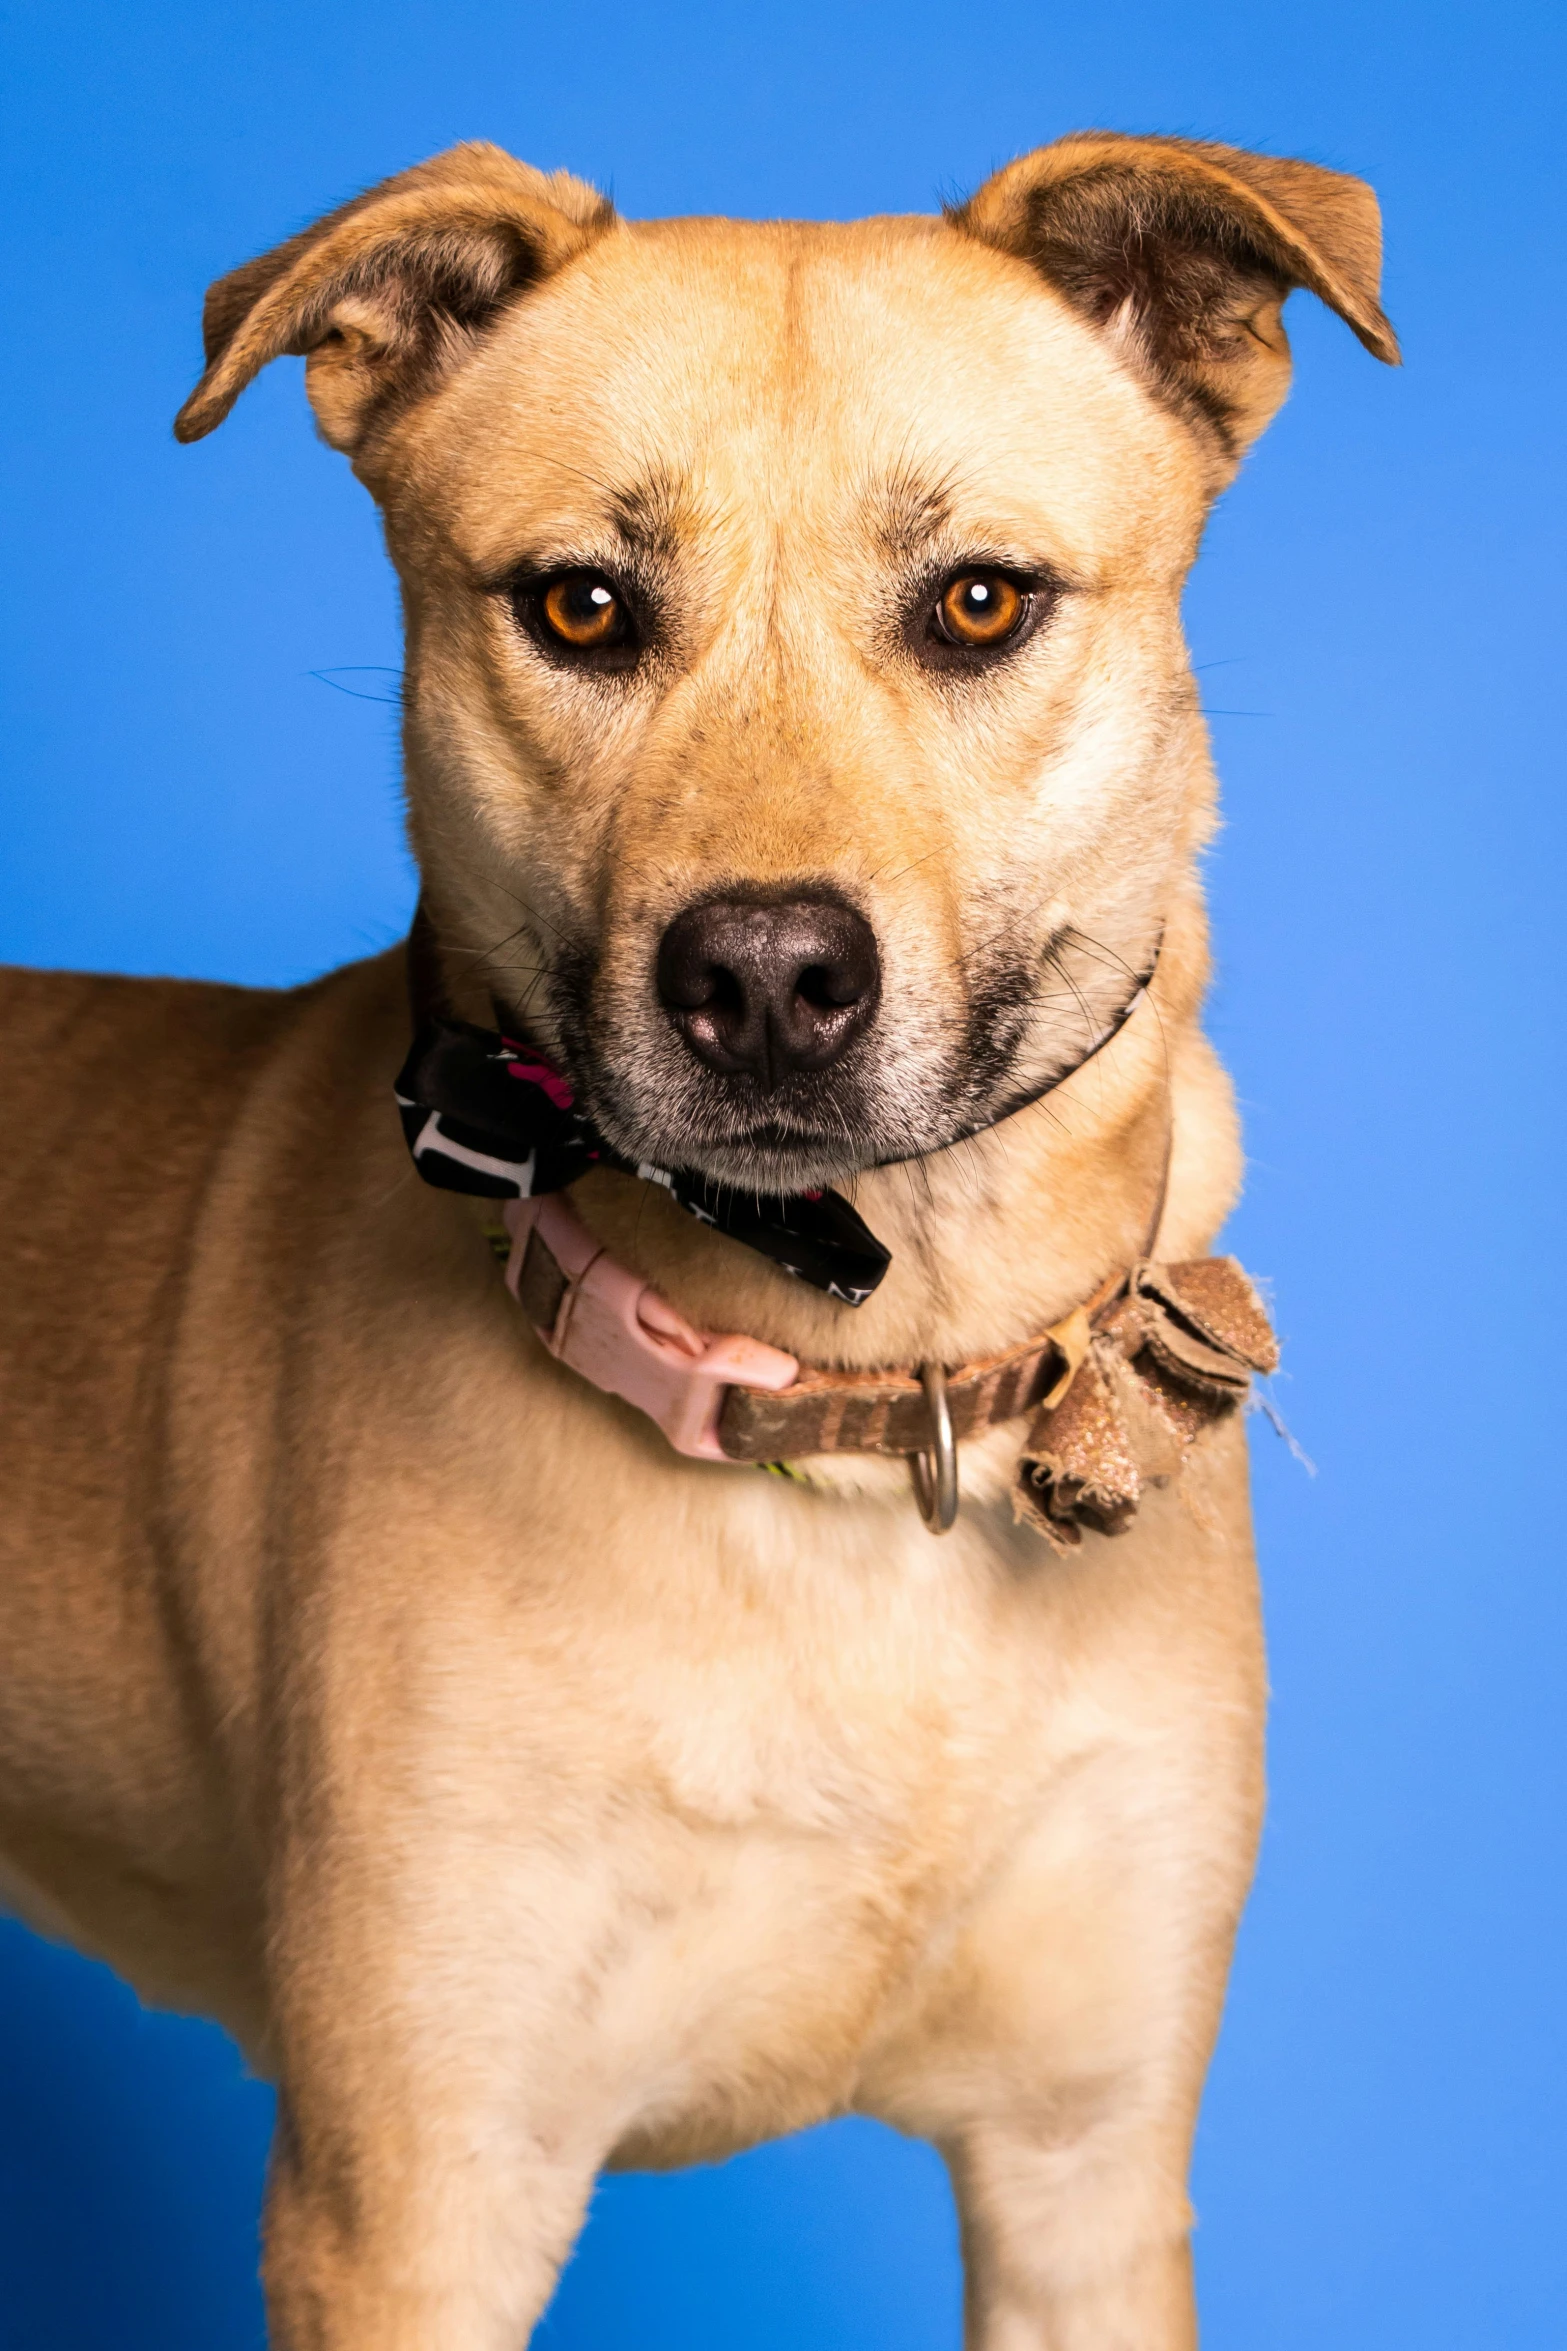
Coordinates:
(768, 988)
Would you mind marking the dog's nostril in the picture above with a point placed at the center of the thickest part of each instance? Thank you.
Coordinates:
(821, 984)
(703, 987)
(767, 987)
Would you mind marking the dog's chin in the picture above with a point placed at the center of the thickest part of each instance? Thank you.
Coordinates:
(772, 1159)
(773, 1151)
(774, 1162)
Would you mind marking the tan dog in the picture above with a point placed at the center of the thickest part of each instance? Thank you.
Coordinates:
(527, 1798)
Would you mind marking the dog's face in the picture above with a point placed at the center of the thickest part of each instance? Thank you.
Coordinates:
(795, 682)
(801, 738)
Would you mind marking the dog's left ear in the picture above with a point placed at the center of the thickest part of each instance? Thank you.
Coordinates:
(1185, 252)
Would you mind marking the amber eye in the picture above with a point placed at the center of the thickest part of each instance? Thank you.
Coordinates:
(980, 608)
(583, 610)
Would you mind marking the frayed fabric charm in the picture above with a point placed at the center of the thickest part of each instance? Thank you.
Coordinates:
(1077, 1467)
(1172, 1353)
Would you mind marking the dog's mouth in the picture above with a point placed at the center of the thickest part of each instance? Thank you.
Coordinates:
(870, 1117)
(776, 1157)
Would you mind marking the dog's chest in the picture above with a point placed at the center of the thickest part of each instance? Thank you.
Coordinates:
(819, 1760)
(855, 1682)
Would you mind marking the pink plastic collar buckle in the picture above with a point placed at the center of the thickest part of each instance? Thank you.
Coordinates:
(621, 1334)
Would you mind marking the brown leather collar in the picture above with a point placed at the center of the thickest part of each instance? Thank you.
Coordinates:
(1118, 1391)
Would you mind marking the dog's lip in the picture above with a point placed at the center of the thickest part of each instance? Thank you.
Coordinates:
(780, 1156)
(781, 1159)
(779, 1145)
(770, 1158)
(773, 1135)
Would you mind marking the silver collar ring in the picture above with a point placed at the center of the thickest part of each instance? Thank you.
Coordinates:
(936, 1471)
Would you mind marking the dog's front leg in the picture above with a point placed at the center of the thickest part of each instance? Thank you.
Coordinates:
(1077, 2244)
(442, 2110)
(454, 2246)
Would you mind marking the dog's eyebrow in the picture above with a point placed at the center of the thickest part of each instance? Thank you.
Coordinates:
(906, 511)
(652, 517)
(650, 523)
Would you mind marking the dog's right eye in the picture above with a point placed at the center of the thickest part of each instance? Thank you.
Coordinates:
(578, 617)
(582, 610)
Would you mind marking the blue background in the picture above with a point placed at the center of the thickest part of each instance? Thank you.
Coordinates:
(1378, 615)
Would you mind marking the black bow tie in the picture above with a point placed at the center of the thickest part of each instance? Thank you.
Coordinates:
(484, 1114)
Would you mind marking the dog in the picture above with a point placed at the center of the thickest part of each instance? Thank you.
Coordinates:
(410, 1664)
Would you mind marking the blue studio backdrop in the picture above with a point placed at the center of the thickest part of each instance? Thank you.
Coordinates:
(200, 650)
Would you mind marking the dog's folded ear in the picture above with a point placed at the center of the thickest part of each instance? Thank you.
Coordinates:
(1184, 252)
(388, 291)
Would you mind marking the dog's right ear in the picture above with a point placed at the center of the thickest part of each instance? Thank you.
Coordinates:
(390, 290)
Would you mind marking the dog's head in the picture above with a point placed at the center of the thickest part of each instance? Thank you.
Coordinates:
(801, 739)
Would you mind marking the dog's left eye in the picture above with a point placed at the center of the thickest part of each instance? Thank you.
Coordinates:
(980, 609)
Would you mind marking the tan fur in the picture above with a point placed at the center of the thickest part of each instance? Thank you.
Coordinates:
(526, 1798)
